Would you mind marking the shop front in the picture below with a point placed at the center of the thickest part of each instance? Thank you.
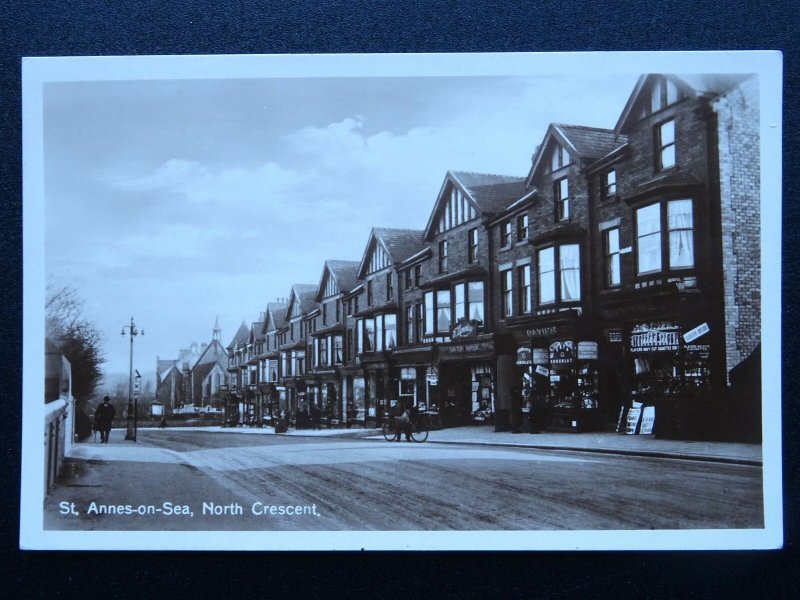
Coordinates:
(557, 374)
(418, 379)
(379, 388)
(466, 379)
(670, 374)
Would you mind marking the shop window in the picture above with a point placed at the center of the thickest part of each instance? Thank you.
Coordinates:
(443, 256)
(505, 234)
(507, 281)
(613, 275)
(522, 228)
(677, 245)
(472, 245)
(561, 192)
(524, 277)
(665, 145)
(564, 285)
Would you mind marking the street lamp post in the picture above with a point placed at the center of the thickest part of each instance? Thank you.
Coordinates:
(130, 433)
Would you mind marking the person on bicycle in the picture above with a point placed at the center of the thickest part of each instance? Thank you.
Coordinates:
(402, 422)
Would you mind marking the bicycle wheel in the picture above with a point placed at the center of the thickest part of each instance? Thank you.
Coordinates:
(388, 431)
(419, 431)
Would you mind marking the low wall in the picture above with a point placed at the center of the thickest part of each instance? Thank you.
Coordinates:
(56, 439)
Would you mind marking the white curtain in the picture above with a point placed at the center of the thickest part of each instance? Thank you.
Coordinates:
(681, 238)
(569, 263)
(648, 233)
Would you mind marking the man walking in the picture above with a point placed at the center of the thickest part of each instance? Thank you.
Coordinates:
(103, 417)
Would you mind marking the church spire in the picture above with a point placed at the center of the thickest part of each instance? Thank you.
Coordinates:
(217, 331)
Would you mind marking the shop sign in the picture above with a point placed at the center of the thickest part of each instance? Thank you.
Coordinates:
(587, 350)
(562, 353)
(648, 419)
(632, 422)
(467, 348)
(536, 332)
(614, 336)
(544, 371)
(701, 349)
(695, 333)
(541, 356)
(464, 328)
(408, 373)
(655, 337)
(524, 355)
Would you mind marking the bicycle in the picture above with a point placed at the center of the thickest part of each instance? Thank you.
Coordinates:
(419, 429)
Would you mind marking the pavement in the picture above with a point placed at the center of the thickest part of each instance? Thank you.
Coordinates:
(599, 442)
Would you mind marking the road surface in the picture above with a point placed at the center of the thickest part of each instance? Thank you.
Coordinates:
(189, 480)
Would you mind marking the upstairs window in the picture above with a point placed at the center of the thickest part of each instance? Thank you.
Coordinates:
(409, 324)
(613, 276)
(443, 312)
(663, 94)
(559, 158)
(443, 256)
(559, 274)
(505, 234)
(408, 279)
(507, 281)
(678, 243)
(369, 293)
(338, 310)
(665, 145)
(561, 191)
(324, 314)
(472, 245)
(524, 277)
(417, 275)
(389, 287)
(522, 227)
(609, 184)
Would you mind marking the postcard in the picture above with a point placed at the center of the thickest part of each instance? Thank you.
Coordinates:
(402, 301)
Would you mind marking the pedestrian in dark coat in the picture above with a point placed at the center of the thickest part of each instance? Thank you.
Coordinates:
(315, 416)
(103, 417)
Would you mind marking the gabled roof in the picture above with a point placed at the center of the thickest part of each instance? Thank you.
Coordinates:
(241, 336)
(255, 330)
(690, 85)
(489, 193)
(584, 144)
(304, 292)
(399, 244)
(275, 316)
(213, 353)
(344, 272)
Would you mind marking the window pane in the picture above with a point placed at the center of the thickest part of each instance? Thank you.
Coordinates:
(668, 157)
(546, 260)
(655, 97)
(648, 220)
(569, 262)
(459, 290)
(672, 93)
(679, 214)
(613, 241)
(613, 270)
(443, 313)
(379, 333)
(475, 296)
(369, 335)
(649, 248)
(429, 308)
(667, 133)
(390, 323)
(563, 189)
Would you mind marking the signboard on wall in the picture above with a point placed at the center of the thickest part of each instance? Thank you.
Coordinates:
(540, 356)
(562, 353)
(587, 350)
(695, 333)
(655, 337)
(524, 355)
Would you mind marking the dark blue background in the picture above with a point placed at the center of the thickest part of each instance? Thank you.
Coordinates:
(106, 27)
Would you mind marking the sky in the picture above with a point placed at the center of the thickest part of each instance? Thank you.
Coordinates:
(179, 201)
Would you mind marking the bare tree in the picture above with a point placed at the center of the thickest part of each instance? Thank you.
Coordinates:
(77, 338)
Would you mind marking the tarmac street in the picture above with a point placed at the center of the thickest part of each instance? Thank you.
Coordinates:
(240, 480)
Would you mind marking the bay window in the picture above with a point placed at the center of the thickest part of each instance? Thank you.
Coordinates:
(443, 313)
(612, 262)
(566, 286)
(338, 357)
(429, 312)
(475, 301)
(409, 323)
(677, 245)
